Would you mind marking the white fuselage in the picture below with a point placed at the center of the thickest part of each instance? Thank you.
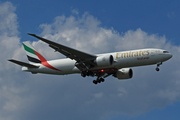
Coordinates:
(122, 59)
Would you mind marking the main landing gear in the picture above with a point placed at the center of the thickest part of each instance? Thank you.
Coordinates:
(158, 64)
(98, 80)
(90, 73)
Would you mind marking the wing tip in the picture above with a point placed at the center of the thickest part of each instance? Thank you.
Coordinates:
(31, 34)
(11, 60)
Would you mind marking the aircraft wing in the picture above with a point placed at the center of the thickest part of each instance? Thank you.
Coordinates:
(67, 51)
(71, 53)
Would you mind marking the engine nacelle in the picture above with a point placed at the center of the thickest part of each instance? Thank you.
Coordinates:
(124, 73)
(105, 60)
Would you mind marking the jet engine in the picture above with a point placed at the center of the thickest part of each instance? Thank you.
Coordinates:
(124, 73)
(105, 60)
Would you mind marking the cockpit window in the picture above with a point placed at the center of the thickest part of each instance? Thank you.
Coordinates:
(165, 52)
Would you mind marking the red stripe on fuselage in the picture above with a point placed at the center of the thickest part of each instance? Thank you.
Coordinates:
(44, 61)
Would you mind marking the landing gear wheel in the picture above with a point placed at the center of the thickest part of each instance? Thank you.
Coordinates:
(157, 69)
(101, 79)
(98, 80)
(95, 81)
(83, 74)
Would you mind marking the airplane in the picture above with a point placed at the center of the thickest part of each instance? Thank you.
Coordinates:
(101, 66)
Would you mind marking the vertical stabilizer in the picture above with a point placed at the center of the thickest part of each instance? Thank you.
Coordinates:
(32, 54)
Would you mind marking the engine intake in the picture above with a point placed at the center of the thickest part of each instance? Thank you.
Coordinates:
(124, 73)
(104, 60)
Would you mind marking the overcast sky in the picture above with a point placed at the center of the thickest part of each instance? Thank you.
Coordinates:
(94, 27)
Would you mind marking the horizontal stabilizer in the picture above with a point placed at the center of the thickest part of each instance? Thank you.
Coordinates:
(23, 64)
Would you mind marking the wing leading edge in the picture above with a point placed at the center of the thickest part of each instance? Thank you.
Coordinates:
(84, 60)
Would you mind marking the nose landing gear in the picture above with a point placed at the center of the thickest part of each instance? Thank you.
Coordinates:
(158, 64)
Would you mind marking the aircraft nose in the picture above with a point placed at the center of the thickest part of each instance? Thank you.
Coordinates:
(169, 56)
